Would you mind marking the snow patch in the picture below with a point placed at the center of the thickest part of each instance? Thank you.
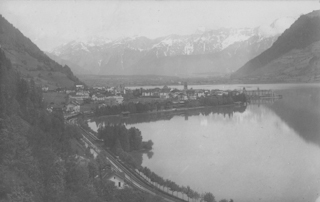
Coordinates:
(83, 47)
(165, 42)
(237, 37)
(168, 42)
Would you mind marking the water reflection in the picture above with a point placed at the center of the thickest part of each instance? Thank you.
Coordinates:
(168, 115)
(260, 152)
(300, 109)
(248, 156)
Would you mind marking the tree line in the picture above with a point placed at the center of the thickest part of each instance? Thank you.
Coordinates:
(156, 106)
(132, 108)
(121, 141)
(169, 185)
(39, 158)
(222, 100)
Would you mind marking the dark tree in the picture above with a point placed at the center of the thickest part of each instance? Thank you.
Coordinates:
(208, 197)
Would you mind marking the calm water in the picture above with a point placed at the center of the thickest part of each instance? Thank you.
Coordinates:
(264, 152)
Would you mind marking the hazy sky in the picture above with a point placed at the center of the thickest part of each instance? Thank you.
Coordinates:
(52, 23)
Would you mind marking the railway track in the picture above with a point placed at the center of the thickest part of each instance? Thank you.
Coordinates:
(134, 178)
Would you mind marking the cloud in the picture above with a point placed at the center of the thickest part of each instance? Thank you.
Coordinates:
(277, 27)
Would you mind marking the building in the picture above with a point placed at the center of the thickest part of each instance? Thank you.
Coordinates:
(79, 87)
(70, 91)
(258, 93)
(200, 93)
(86, 93)
(185, 86)
(98, 97)
(192, 97)
(120, 89)
(45, 88)
(78, 96)
(117, 177)
(182, 96)
(165, 93)
(165, 87)
(75, 108)
(151, 92)
(99, 88)
(118, 98)
(174, 92)
(219, 92)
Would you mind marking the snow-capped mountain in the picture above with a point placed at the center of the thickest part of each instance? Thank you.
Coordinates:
(222, 50)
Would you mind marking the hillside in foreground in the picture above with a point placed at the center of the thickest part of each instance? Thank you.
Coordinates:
(41, 158)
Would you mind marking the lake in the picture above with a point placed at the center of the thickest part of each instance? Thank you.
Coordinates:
(266, 151)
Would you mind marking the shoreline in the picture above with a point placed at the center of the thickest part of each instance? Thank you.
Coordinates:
(230, 84)
(168, 110)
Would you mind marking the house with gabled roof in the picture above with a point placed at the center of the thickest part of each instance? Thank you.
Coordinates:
(80, 87)
(165, 93)
(175, 92)
(117, 177)
(98, 97)
(71, 107)
(200, 93)
(151, 92)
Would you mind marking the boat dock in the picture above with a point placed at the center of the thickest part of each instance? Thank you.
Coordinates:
(260, 94)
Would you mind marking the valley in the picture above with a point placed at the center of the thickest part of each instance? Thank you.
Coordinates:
(134, 101)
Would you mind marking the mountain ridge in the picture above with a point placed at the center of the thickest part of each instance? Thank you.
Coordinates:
(296, 45)
(134, 55)
(30, 61)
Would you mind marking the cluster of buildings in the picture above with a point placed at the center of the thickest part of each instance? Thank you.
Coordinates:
(194, 94)
(111, 95)
(102, 96)
(80, 95)
(185, 94)
(73, 107)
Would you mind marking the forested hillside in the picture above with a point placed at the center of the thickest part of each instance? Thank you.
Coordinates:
(38, 161)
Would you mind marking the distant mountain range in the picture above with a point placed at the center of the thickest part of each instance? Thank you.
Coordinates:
(294, 57)
(212, 52)
(30, 61)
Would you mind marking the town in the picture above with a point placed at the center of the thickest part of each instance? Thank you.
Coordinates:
(133, 101)
(87, 100)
